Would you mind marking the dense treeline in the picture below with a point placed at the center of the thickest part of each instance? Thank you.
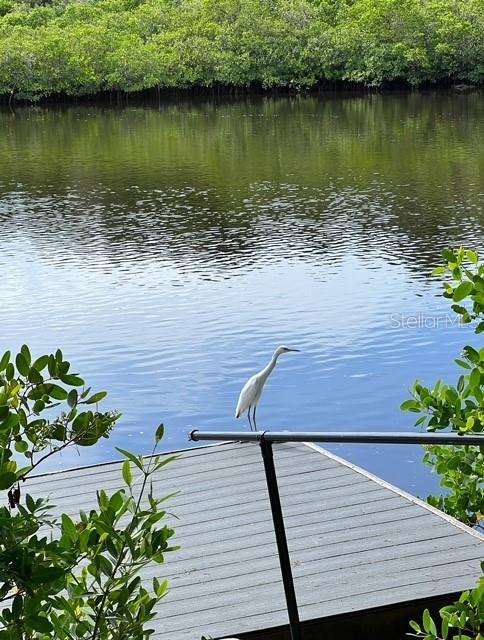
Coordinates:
(89, 46)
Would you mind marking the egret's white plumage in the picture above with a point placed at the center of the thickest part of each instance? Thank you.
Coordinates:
(252, 389)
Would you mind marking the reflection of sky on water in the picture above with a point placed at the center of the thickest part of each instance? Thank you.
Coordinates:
(169, 296)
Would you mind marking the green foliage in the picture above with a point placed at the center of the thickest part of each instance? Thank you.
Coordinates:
(462, 473)
(82, 579)
(31, 388)
(83, 47)
(6, 6)
(418, 41)
(458, 407)
(463, 620)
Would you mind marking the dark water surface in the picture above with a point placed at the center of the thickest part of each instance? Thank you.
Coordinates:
(169, 250)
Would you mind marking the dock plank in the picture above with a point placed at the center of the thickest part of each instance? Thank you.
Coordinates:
(355, 541)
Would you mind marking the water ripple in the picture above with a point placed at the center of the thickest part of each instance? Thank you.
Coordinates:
(169, 267)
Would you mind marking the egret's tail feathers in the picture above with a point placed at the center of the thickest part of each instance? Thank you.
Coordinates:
(237, 414)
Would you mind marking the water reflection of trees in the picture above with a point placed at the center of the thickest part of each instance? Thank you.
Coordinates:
(212, 186)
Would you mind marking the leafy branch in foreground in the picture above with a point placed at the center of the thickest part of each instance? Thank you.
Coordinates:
(116, 541)
(458, 407)
(463, 620)
(28, 388)
(71, 577)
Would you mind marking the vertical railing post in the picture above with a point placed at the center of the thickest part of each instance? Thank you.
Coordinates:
(283, 551)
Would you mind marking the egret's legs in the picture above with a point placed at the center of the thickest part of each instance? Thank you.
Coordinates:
(253, 418)
(250, 423)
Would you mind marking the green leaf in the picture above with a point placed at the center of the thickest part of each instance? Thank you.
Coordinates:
(464, 365)
(10, 422)
(35, 377)
(41, 363)
(458, 309)
(472, 256)
(134, 459)
(9, 371)
(72, 398)
(58, 432)
(433, 628)
(68, 527)
(127, 475)
(22, 418)
(81, 422)
(161, 462)
(39, 623)
(72, 380)
(161, 588)
(52, 365)
(4, 360)
(39, 406)
(64, 368)
(87, 439)
(97, 397)
(449, 255)
(462, 291)
(102, 498)
(438, 271)
(426, 620)
(21, 472)
(57, 392)
(25, 351)
(105, 565)
(22, 365)
(52, 390)
(480, 327)
(7, 479)
(160, 432)
(44, 575)
(471, 354)
(453, 463)
(445, 628)
(410, 405)
(465, 468)
(21, 446)
(17, 606)
(460, 384)
(29, 501)
(116, 501)
(475, 378)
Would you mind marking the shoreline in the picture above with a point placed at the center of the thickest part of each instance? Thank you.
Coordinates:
(339, 89)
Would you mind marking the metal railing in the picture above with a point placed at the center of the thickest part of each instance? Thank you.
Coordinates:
(267, 438)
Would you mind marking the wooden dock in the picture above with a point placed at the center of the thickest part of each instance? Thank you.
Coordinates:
(356, 542)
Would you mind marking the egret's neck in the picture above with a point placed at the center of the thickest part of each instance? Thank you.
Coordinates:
(266, 371)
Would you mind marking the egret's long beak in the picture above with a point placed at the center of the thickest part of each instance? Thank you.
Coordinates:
(298, 350)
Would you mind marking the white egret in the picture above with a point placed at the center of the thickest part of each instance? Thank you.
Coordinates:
(252, 389)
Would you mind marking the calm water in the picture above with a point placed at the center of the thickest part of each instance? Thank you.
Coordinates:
(169, 250)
